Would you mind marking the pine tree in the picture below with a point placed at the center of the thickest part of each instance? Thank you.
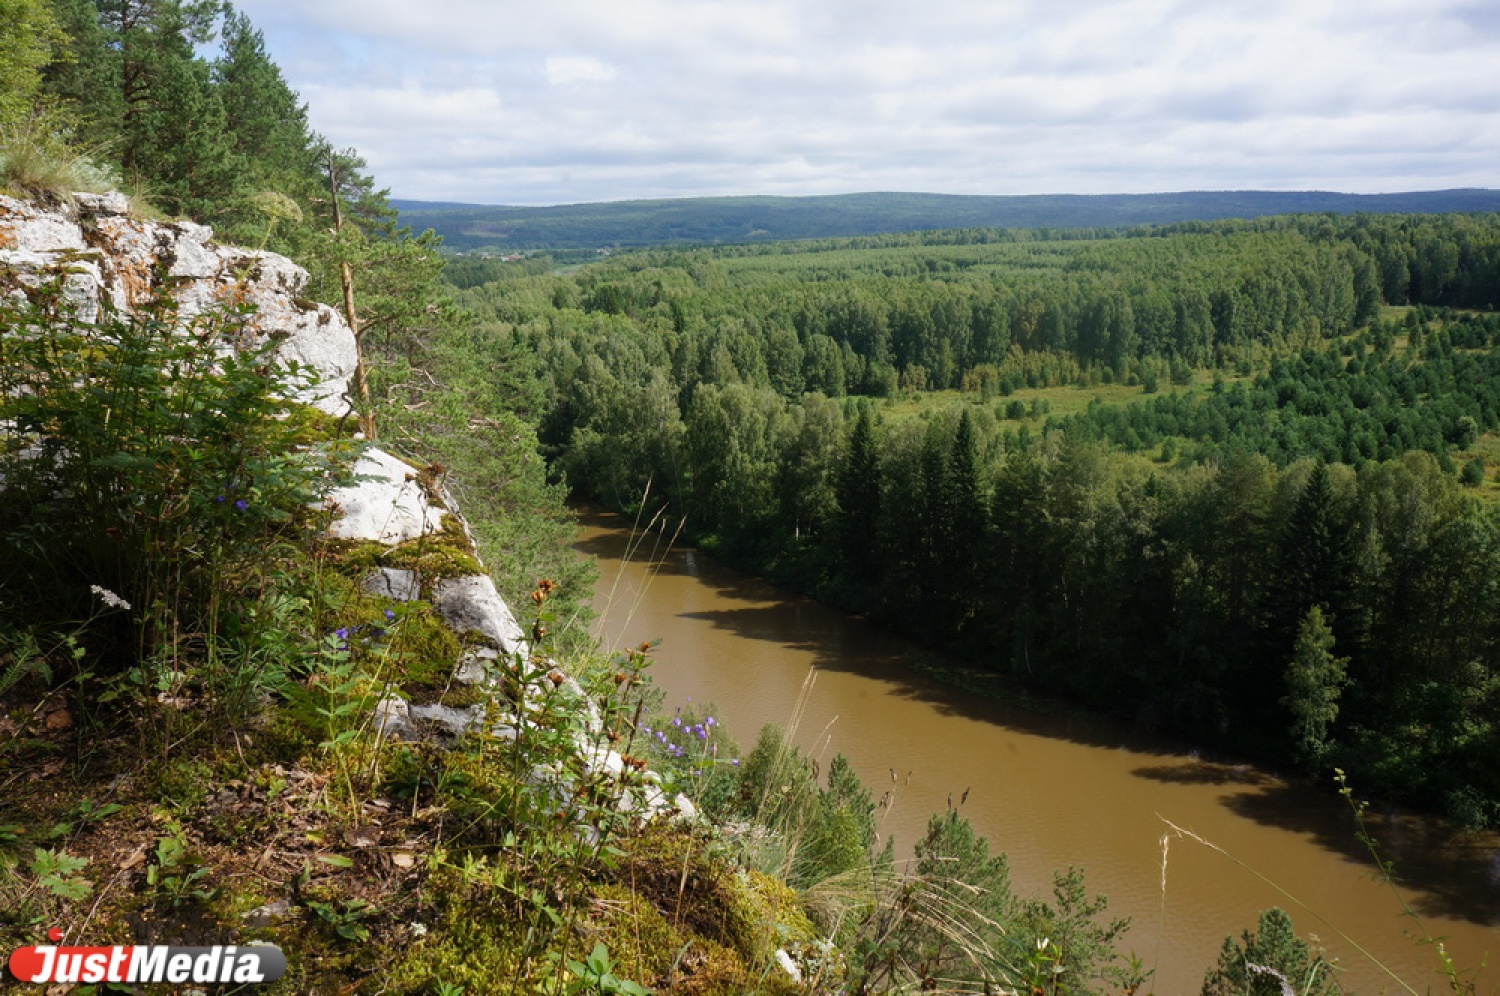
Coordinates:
(170, 128)
(1269, 961)
(964, 519)
(267, 125)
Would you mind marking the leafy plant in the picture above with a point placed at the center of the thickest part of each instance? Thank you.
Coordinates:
(174, 874)
(344, 917)
(60, 873)
(147, 458)
(595, 974)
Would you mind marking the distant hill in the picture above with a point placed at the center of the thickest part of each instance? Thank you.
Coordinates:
(711, 220)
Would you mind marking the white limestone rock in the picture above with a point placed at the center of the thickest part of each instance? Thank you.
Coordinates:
(94, 205)
(317, 338)
(191, 256)
(472, 604)
(118, 260)
(388, 505)
(477, 667)
(82, 279)
(395, 584)
(393, 718)
(453, 720)
(26, 227)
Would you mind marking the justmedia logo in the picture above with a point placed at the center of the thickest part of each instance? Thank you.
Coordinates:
(146, 963)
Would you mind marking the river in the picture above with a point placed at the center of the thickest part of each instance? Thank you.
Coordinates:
(1056, 788)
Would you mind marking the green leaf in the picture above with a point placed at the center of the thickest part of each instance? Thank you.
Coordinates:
(68, 888)
(337, 860)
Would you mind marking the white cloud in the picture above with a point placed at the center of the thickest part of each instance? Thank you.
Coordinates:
(581, 99)
(571, 70)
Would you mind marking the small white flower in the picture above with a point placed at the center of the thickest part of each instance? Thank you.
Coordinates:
(109, 598)
(419, 930)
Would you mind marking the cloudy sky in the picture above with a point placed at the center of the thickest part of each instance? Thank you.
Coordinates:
(566, 101)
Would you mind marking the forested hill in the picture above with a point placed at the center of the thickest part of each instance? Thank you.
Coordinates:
(467, 227)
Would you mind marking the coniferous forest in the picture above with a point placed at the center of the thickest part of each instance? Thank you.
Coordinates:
(1231, 478)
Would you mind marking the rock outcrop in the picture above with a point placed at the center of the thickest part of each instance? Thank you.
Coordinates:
(108, 260)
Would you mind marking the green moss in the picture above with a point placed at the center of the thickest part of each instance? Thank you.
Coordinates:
(779, 907)
(425, 649)
(446, 553)
(640, 940)
(461, 696)
(700, 890)
(472, 939)
(182, 782)
(310, 425)
(434, 558)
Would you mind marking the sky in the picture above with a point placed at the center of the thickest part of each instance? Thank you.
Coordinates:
(572, 101)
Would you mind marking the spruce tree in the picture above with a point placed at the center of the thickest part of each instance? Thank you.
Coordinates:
(859, 505)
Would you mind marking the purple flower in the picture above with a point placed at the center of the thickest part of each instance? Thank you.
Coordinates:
(342, 633)
(734, 761)
(241, 504)
(709, 721)
(218, 498)
(390, 616)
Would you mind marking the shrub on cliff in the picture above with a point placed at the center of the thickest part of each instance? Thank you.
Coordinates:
(149, 474)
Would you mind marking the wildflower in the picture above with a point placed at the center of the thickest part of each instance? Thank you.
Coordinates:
(109, 598)
(241, 504)
(709, 721)
(734, 761)
(390, 616)
(343, 634)
(544, 588)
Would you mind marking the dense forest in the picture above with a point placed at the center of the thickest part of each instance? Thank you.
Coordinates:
(715, 220)
(1273, 536)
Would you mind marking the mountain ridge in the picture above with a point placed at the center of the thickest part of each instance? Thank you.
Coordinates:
(731, 219)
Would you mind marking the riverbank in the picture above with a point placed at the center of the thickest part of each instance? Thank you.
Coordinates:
(1052, 790)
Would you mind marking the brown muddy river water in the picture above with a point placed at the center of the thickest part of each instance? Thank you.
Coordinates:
(1055, 790)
